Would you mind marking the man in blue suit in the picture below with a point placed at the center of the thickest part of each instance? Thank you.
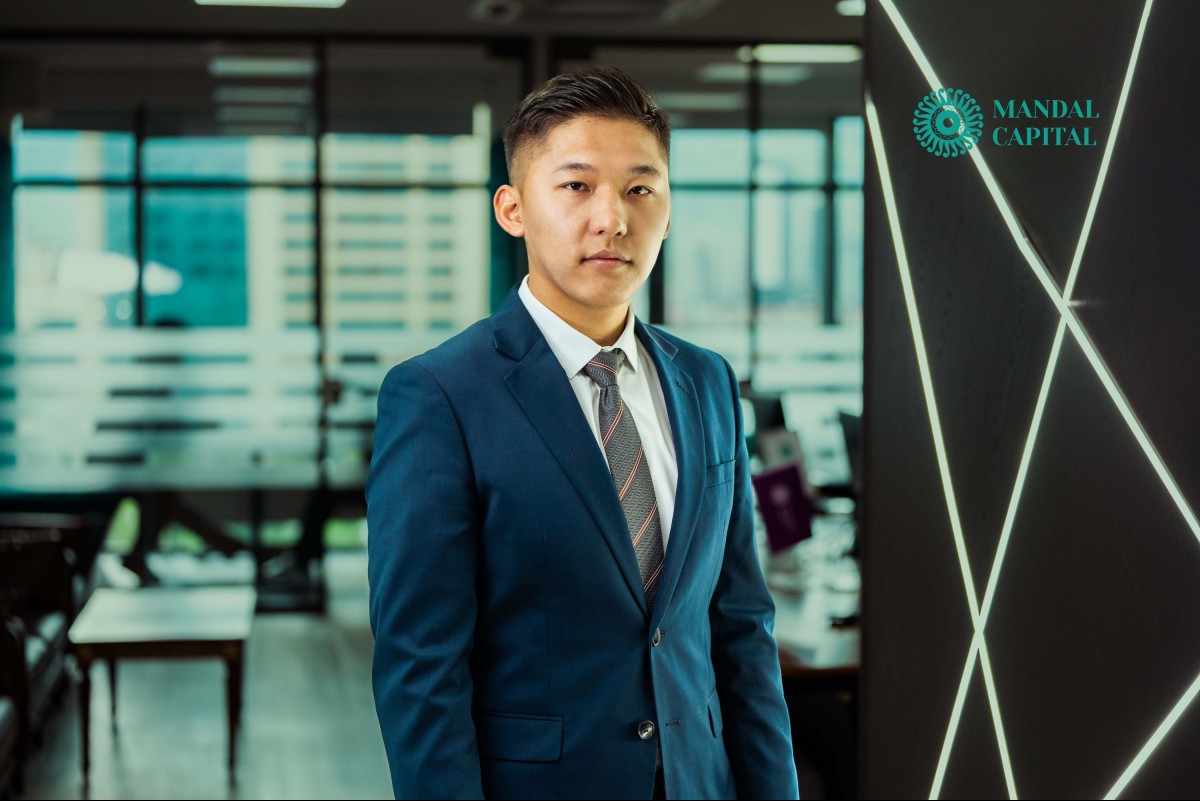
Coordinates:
(565, 590)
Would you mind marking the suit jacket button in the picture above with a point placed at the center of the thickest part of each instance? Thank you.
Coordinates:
(645, 730)
(657, 637)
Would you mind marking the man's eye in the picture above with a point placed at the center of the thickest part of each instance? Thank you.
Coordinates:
(648, 190)
(576, 185)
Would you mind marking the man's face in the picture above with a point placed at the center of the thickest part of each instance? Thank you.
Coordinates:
(594, 207)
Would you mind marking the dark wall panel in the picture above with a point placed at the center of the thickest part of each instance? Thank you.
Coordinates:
(1096, 627)
(1095, 630)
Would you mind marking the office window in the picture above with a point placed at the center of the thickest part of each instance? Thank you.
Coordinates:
(240, 159)
(707, 259)
(710, 157)
(229, 257)
(329, 198)
(789, 232)
(849, 213)
(405, 260)
(70, 155)
(848, 165)
(848, 145)
(70, 206)
(785, 157)
(74, 257)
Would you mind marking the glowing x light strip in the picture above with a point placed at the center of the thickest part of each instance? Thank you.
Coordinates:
(978, 643)
(1155, 739)
(1067, 319)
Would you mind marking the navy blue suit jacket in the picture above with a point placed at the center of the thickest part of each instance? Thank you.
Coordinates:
(514, 653)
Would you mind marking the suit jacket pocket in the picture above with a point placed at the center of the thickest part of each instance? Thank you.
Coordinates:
(720, 473)
(519, 738)
(714, 714)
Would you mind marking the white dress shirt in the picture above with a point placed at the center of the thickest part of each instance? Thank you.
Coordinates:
(640, 390)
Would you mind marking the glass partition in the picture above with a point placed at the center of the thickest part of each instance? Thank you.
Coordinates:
(277, 221)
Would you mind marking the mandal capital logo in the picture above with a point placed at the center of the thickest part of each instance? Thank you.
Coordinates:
(947, 122)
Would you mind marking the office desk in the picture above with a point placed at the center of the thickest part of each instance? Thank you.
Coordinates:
(805, 599)
(820, 666)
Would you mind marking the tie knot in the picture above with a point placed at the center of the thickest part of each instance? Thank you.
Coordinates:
(603, 367)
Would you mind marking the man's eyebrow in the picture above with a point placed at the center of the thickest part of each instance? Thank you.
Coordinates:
(575, 166)
(645, 169)
(579, 166)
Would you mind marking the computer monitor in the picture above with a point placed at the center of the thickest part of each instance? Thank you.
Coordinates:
(768, 412)
(852, 434)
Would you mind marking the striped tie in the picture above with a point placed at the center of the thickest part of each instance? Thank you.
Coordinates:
(630, 473)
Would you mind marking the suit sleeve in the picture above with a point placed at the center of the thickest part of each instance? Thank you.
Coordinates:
(757, 729)
(422, 557)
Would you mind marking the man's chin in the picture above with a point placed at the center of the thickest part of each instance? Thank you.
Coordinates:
(605, 294)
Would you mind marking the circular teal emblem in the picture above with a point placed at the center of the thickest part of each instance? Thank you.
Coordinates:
(947, 122)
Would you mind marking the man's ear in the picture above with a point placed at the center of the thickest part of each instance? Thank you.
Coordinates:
(668, 227)
(507, 205)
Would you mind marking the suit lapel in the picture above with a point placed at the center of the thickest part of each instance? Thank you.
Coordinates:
(544, 392)
(687, 432)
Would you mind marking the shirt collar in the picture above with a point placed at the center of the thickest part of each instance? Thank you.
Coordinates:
(571, 347)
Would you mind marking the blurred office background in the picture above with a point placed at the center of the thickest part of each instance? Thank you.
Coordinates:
(220, 226)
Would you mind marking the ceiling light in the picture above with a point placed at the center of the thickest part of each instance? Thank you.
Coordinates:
(801, 53)
(772, 74)
(852, 8)
(261, 67)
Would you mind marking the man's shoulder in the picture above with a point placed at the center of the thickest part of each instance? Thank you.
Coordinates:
(473, 341)
(462, 353)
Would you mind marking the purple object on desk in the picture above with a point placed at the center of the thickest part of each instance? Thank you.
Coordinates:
(784, 505)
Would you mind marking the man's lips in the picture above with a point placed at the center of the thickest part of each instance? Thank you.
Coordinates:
(605, 258)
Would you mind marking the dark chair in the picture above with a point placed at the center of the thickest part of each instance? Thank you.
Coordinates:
(83, 521)
(10, 750)
(36, 605)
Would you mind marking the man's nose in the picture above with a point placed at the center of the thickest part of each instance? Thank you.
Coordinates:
(609, 216)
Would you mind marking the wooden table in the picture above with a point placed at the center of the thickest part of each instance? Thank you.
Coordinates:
(163, 623)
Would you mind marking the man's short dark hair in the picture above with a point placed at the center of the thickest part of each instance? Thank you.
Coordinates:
(592, 92)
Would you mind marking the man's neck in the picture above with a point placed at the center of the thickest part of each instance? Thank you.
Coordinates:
(602, 326)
